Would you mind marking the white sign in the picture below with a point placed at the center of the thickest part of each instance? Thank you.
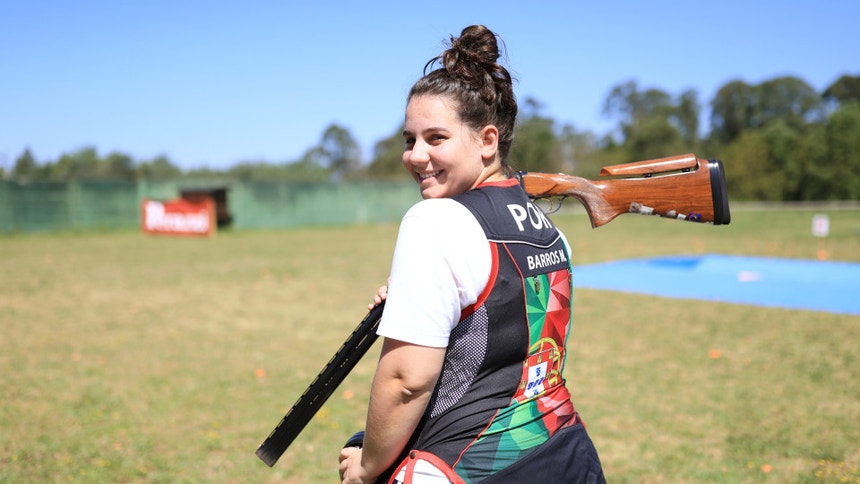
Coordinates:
(820, 225)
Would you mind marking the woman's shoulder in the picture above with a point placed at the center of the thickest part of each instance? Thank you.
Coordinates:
(438, 209)
(442, 219)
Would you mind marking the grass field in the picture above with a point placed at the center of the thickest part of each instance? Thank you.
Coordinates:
(127, 358)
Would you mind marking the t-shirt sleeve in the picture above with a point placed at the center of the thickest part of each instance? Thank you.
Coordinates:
(441, 264)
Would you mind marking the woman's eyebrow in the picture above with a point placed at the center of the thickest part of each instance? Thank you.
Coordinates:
(431, 129)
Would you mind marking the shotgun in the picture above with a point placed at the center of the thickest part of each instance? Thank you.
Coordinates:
(680, 187)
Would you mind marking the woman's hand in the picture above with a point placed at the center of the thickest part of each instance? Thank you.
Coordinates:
(380, 296)
(350, 468)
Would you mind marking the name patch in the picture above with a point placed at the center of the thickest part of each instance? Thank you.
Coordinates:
(546, 259)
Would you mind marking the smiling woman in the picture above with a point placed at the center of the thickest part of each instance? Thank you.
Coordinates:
(469, 386)
(437, 143)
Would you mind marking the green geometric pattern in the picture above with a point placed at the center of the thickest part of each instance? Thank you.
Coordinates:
(522, 426)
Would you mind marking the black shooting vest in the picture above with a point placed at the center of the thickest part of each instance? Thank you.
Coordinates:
(501, 393)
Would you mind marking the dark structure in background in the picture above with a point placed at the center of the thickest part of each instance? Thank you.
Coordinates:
(218, 195)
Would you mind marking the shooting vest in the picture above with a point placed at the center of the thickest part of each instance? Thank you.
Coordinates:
(501, 393)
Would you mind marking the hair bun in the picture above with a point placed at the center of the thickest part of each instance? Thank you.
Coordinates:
(477, 44)
(473, 57)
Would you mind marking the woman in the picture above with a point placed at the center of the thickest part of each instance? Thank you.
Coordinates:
(469, 383)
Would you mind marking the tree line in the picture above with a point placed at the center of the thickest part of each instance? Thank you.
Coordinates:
(779, 140)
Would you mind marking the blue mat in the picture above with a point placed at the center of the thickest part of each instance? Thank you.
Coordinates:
(786, 283)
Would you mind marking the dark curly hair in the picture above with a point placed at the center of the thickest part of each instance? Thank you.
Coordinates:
(470, 75)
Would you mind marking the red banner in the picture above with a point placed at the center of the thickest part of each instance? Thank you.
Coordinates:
(178, 217)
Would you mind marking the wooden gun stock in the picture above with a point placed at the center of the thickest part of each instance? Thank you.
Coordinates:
(681, 187)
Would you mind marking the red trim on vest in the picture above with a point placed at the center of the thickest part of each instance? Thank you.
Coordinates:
(483, 298)
(494, 274)
(508, 182)
(477, 437)
(408, 466)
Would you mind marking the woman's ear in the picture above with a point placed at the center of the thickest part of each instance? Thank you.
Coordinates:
(489, 142)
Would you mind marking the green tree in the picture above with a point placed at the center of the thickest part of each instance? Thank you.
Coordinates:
(654, 137)
(159, 168)
(814, 155)
(651, 123)
(338, 152)
(738, 106)
(630, 105)
(79, 165)
(844, 90)
(750, 174)
(257, 171)
(783, 143)
(117, 166)
(306, 170)
(580, 152)
(843, 143)
(26, 168)
(387, 162)
(732, 111)
(536, 146)
(686, 117)
(789, 99)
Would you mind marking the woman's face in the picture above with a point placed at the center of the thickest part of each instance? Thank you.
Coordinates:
(444, 155)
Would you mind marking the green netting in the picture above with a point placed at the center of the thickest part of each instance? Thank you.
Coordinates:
(45, 206)
(57, 206)
(263, 205)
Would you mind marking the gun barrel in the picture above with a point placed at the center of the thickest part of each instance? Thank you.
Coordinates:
(334, 372)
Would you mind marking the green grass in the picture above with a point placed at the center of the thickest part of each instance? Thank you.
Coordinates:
(127, 358)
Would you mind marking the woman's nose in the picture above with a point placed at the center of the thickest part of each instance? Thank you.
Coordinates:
(419, 153)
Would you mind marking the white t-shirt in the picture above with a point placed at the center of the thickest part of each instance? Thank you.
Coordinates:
(441, 265)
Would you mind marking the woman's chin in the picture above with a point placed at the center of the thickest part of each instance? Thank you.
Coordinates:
(428, 193)
(433, 192)
(429, 188)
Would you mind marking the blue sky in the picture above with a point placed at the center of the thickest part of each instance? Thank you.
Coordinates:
(214, 83)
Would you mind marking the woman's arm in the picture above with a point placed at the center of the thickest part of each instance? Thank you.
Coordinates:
(402, 386)
(441, 264)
